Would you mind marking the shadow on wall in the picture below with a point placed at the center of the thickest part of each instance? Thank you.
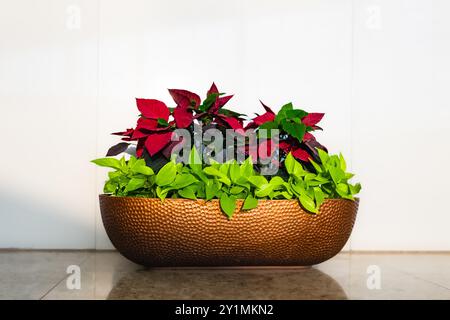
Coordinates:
(28, 222)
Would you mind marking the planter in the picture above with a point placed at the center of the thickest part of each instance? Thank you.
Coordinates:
(182, 232)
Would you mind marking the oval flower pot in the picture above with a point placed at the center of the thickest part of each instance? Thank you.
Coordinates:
(182, 232)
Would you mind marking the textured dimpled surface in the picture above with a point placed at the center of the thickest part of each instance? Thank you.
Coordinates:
(182, 232)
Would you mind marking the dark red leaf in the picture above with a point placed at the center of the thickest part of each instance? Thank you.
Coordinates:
(147, 124)
(308, 136)
(301, 154)
(312, 119)
(267, 108)
(126, 133)
(212, 90)
(232, 122)
(140, 148)
(117, 149)
(156, 141)
(266, 117)
(153, 109)
(185, 98)
(285, 146)
(219, 103)
(183, 117)
(167, 151)
(138, 134)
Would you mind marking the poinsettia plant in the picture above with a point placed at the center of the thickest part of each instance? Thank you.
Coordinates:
(305, 170)
(157, 123)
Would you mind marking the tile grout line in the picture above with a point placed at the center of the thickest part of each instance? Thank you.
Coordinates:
(420, 278)
(60, 281)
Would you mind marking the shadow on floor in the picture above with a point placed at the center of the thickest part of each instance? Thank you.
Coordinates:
(304, 283)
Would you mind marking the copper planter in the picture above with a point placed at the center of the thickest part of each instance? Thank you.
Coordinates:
(182, 232)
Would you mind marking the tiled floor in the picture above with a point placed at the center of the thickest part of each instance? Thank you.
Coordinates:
(107, 275)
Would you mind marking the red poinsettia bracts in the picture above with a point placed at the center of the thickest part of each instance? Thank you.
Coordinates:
(154, 128)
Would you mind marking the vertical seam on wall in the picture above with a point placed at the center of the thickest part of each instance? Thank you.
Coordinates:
(352, 76)
(97, 107)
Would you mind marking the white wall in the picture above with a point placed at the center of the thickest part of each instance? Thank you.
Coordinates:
(379, 69)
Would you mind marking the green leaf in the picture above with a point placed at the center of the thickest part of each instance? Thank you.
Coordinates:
(336, 174)
(108, 162)
(290, 163)
(110, 187)
(295, 130)
(355, 189)
(246, 168)
(163, 122)
(281, 115)
(211, 190)
(298, 170)
(323, 156)
(134, 184)
(167, 174)
(183, 180)
(236, 190)
(187, 193)
(316, 166)
(264, 190)
(308, 203)
(342, 162)
(195, 161)
(139, 166)
(228, 204)
(208, 102)
(296, 113)
(235, 172)
(343, 190)
(276, 181)
(319, 196)
(216, 173)
(162, 192)
(257, 181)
(250, 203)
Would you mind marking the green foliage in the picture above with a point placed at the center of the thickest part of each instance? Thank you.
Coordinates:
(129, 178)
(231, 181)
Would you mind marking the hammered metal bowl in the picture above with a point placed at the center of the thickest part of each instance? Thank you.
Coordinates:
(182, 232)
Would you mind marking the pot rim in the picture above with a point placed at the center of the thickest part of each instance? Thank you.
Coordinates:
(104, 195)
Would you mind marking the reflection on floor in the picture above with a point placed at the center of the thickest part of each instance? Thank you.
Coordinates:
(107, 275)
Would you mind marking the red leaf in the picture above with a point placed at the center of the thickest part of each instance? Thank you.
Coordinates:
(266, 117)
(286, 147)
(147, 124)
(138, 134)
(267, 108)
(308, 136)
(312, 119)
(301, 154)
(183, 117)
(232, 122)
(212, 90)
(219, 103)
(153, 109)
(140, 148)
(156, 141)
(126, 133)
(185, 98)
(144, 127)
